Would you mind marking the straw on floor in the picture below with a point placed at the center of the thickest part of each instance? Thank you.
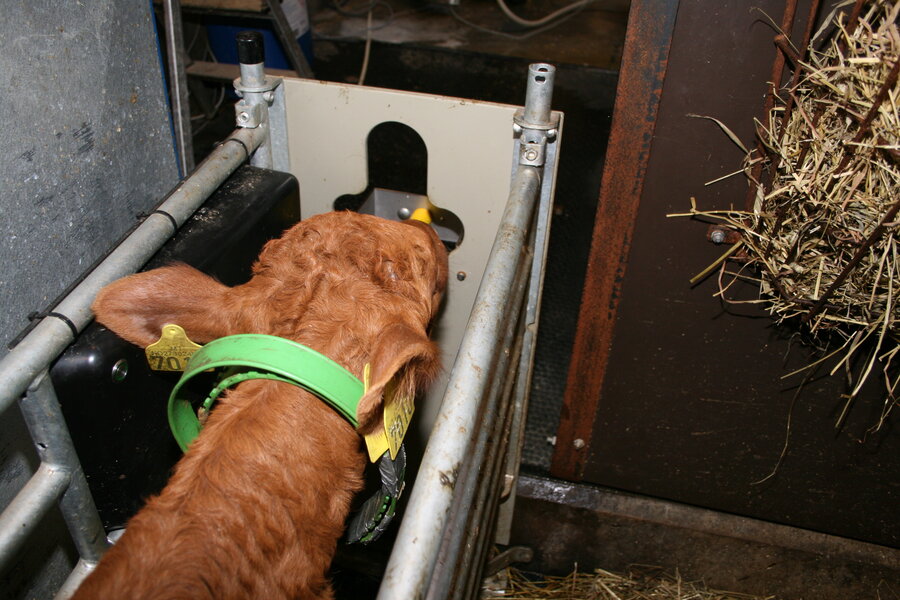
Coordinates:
(639, 583)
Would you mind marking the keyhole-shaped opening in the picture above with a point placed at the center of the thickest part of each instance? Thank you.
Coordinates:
(397, 160)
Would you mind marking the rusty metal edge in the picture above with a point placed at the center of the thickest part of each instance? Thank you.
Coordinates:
(669, 514)
(651, 24)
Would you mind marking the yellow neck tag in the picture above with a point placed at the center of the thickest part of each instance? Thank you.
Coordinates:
(172, 351)
(398, 412)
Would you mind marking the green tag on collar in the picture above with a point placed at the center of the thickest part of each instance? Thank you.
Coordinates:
(263, 357)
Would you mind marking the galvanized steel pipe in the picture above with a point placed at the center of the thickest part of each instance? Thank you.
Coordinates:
(415, 550)
(539, 93)
(50, 337)
(24, 513)
(45, 421)
(477, 488)
(82, 569)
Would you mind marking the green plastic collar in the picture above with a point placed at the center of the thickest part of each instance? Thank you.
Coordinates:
(263, 357)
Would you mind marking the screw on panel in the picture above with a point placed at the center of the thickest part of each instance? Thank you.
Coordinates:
(717, 236)
(120, 370)
(578, 443)
(460, 275)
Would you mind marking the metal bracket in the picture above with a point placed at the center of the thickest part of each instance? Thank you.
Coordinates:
(268, 84)
(257, 91)
(248, 114)
(532, 154)
(520, 123)
(533, 137)
(250, 111)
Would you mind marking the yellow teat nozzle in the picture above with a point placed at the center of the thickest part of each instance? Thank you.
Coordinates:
(422, 214)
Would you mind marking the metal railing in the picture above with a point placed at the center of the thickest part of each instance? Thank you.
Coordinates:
(448, 525)
(447, 528)
(59, 478)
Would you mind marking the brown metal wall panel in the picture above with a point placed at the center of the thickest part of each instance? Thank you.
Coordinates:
(693, 407)
(641, 78)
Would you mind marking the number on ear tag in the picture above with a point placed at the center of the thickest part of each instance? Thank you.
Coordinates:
(172, 351)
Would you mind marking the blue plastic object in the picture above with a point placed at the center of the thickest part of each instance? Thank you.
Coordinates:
(221, 40)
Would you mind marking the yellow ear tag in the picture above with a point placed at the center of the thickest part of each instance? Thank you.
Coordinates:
(172, 351)
(398, 412)
(376, 442)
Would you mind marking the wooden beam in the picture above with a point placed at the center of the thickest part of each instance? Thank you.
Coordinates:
(215, 71)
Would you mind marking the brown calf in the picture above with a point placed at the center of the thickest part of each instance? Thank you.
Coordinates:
(255, 507)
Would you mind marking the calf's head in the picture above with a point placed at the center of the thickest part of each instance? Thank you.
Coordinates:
(357, 288)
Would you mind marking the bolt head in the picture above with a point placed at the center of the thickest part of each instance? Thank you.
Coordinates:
(120, 371)
(578, 443)
(717, 236)
(460, 275)
(243, 117)
(531, 155)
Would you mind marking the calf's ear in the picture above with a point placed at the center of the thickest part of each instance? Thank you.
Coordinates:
(403, 354)
(137, 307)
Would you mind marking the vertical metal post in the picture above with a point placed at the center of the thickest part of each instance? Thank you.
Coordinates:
(523, 384)
(467, 536)
(257, 92)
(419, 539)
(48, 429)
(433, 537)
(178, 89)
(460, 563)
(539, 93)
(251, 58)
(59, 477)
(278, 137)
(82, 569)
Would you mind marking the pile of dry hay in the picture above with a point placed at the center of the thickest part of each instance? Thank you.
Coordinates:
(822, 232)
(640, 583)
